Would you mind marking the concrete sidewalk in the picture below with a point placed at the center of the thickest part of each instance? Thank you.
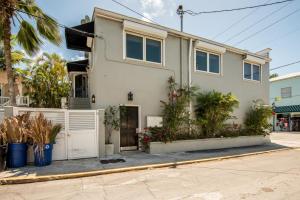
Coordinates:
(128, 159)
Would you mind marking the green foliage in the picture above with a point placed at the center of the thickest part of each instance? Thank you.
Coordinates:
(47, 81)
(256, 121)
(213, 109)
(273, 75)
(111, 120)
(28, 36)
(175, 112)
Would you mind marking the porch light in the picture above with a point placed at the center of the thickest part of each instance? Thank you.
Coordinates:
(93, 98)
(130, 96)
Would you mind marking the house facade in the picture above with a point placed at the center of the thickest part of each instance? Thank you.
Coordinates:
(130, 61)
(285, 98)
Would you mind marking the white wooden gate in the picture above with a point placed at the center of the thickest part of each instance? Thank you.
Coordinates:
(79, 135)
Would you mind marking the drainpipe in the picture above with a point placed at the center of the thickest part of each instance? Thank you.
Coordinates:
(190, 74)
(181, 64)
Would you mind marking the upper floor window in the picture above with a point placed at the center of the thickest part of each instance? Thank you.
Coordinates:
(286, 92)
(207, 62)
(143, 48)
(252, 71)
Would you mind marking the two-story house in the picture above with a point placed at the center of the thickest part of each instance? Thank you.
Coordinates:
(130, 61)
(285, 96)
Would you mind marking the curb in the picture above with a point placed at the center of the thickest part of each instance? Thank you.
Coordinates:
(22, 179)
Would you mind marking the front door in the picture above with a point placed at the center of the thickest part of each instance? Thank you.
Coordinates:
(129, 126)
(81, 86)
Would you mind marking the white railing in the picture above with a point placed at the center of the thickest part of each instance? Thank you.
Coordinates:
(20, 101)
(4, 101)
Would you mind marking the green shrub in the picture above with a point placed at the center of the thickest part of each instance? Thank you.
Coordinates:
(176, 116)
(212, 110)
(256, 120)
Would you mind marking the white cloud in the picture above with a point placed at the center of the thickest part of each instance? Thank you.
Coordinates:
(77, 57)
(157, 8)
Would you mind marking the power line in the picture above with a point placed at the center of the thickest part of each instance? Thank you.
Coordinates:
(190, 12)
(267, 27)
(236, 23)
(285, 65)
(134, 11)
(60, 25)
(280, 37)
(257, 22)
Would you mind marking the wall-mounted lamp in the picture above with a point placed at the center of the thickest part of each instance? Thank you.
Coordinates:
(93, 98)
(130, 96)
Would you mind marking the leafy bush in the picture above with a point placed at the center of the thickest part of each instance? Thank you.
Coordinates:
(213, 109)
(175, 113)
(111, 120)
(256, 121)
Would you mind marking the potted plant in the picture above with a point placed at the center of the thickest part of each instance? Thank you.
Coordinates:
(3, 148)
(43, 134)
(14, 132)
(111, 122)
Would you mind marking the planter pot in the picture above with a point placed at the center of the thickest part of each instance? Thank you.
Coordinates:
(46, 157)
(2, 157)
(109, 149)
(16, 155)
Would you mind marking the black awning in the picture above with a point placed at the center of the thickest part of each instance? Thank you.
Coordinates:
(78, 66)
(77, 40)
(287, 109)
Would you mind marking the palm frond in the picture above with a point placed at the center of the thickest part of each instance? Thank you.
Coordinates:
(27, 38)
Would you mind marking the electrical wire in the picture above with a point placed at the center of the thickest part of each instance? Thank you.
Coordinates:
(134, 11)
(267, 27)
(190, 12)
(256, 22)
(60, 25)
(285, 65)
(236, 23)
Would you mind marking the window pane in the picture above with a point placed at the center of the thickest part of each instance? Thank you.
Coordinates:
(286, 92)
(247, 71)
(256, 72)
(153, 50)
(214, 63)
(201, 61)
(134, 47)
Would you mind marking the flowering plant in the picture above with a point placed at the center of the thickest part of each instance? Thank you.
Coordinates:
(145, 138)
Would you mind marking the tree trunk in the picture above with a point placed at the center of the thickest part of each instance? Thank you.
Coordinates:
(7, 57)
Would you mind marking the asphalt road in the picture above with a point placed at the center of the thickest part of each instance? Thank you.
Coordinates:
(267, 176)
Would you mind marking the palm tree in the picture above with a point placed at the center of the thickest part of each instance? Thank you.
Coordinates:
(28, 36)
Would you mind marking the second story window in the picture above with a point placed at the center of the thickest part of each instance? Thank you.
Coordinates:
(134, 47)
(251, 71)
(143, 48)
(286, 92)
(207, 62)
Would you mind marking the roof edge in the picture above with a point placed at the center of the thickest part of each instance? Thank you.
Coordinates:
(113, 15)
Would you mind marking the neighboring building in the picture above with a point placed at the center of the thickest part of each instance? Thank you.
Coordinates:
(130, 61)
(285, 97)
(20, 90)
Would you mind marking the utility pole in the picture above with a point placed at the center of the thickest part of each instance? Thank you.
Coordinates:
(180, 12)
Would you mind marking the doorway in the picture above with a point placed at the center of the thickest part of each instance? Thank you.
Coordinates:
(129, 119)
(80, 89)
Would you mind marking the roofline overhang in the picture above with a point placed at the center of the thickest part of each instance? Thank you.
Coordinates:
(78, 66)
(119, 17)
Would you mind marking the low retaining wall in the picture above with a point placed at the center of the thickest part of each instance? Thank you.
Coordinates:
(206, 144)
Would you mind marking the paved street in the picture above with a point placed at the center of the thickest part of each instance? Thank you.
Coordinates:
(267, 176)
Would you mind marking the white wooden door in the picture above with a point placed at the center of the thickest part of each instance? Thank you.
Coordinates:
(82, 134)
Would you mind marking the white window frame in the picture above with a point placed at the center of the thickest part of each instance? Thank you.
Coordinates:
(251, 79)
(207, 67)
(285, 97)
(144, 37)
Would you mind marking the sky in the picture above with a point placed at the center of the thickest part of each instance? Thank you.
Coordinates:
(282, 37)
